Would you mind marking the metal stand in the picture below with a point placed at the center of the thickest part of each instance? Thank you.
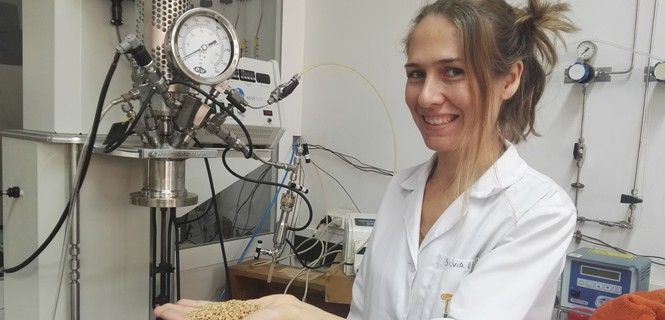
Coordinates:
(165, 271)
(75, 275)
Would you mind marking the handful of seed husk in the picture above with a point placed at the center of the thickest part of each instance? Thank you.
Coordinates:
(229, 310)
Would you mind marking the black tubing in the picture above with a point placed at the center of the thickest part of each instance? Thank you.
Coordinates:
(84, 170)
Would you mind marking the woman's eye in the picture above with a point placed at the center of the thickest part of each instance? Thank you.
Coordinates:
(415, 74)
(453, 72)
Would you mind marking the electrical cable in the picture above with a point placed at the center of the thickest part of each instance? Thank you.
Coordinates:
(266, 212)
(314, 243)
(82, 174)
(348, 159)
(130, 130)
(197, 218)
(338, 183)
(309, 205)
(219, 225)
(596, 241)
(302, 262)
(226, 110)
(249, 199)
(376, 92)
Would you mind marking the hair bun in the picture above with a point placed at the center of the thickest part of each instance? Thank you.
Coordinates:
(537, 19)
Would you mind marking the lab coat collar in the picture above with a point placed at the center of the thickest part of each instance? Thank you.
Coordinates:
(507, 170)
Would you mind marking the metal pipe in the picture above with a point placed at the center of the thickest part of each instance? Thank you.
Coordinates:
(75, 275)
(153, 256)
(632, 52)
(644, 99)
(177, 254)
(163, 276)
(581, 141)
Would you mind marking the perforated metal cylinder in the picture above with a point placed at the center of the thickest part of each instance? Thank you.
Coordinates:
(154, 18)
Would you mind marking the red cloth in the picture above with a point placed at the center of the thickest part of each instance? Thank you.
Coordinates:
(646, 305)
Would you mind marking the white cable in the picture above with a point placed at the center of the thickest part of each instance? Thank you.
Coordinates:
(304, 295)
(383, 102)
(303, 270)
(618, 46)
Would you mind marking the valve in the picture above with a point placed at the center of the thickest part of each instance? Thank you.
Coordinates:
(13, 192)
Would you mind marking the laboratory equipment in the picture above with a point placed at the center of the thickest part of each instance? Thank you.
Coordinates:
(254, 79)
(586, 50)
(592, 277)
(114, 234)
(658, 71)
(203, 46)
(582, 71)
(357, 229)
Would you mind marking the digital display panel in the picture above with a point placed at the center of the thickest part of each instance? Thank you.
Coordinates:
(364, 222)
(601, 273)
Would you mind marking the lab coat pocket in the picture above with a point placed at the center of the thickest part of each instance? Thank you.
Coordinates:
(449, 273)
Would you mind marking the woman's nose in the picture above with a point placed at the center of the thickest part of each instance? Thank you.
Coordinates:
(432, 93)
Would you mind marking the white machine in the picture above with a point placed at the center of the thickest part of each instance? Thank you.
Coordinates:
(355, 229)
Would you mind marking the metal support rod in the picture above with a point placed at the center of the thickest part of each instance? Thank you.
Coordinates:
(644, 100)
(153, 256)
(169, 255)
(581, 140)
(75, 275)
(163, 276)
(176, 230)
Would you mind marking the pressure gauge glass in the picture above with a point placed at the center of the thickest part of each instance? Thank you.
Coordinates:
(580, 72)
(586, 50)
(203, 46)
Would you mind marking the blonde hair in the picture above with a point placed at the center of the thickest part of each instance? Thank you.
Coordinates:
(494, 37)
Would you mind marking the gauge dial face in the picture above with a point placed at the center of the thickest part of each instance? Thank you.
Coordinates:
(204, 46)
(579, 72)
(586, 50)
(659, 71)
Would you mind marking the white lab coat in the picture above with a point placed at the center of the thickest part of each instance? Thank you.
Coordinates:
(499, 254)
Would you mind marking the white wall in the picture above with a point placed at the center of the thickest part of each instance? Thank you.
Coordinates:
(340, 111)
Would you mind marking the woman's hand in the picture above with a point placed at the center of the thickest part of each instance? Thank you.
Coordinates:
(287, 307)
(179, 310)
(273, 307)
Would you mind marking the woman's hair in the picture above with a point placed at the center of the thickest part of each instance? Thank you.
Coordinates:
(494, 36)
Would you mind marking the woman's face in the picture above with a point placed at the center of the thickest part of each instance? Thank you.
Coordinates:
(438, 91)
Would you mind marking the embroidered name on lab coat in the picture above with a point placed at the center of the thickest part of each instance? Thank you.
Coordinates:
(455, 264)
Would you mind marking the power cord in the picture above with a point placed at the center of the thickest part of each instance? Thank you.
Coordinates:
(338, 183)
(80, 176)
(579, 236)
(353, 161)
(302, 195)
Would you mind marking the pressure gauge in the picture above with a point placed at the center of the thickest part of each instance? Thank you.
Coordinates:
(586, 50)
(658, 71)
(203, 46)
(580, 72)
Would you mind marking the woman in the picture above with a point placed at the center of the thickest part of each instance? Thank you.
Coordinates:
(475, 221)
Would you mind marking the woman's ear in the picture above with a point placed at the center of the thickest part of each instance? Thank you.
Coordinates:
(511, 82)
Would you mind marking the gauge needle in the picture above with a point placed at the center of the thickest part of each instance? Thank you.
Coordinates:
(202, 48)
